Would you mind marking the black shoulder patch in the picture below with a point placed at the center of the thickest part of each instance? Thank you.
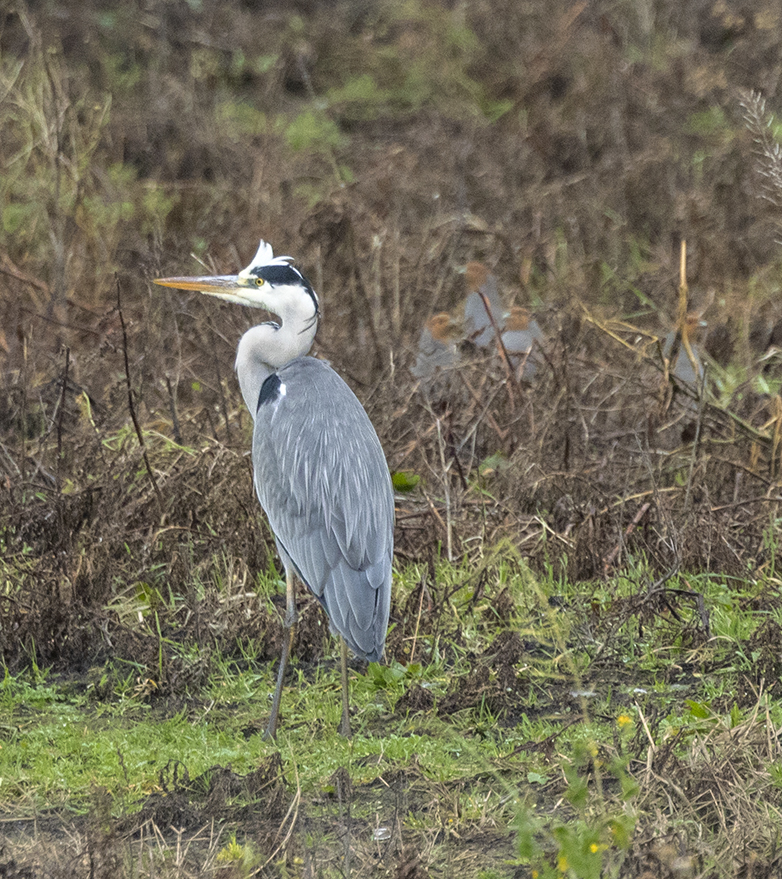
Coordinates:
(270, 390)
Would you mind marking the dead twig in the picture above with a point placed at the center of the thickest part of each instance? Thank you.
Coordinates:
(609, 559)
(696, 441)
(503, 353)
(131, 405)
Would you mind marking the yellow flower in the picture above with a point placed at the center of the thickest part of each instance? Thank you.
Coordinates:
(562, 864)
(594, 848)
(623, 720)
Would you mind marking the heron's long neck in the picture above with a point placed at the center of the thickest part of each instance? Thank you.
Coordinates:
(268, 347)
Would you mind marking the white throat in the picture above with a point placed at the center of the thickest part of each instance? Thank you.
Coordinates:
(268, 347)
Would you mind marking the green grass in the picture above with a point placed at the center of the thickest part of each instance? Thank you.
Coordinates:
(58, 744)
(595, 667)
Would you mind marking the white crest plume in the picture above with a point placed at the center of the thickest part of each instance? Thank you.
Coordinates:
(265, 257)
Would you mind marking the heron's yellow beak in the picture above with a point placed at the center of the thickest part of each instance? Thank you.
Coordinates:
(216, 284)
(230, 288)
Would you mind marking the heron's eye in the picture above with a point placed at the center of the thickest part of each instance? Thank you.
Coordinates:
(259, 282)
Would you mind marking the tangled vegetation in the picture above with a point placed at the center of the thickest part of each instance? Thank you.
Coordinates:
(583, 671)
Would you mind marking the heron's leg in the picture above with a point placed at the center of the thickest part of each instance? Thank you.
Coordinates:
(289, 625)
(344, 726)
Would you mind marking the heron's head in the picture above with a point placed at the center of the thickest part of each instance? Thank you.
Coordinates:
(443, 327)
(269, 282)
(476, 274)
(694, 326)
(517, 319)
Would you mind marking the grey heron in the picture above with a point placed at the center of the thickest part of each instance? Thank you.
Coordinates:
(318, 466)
(681, 350)
(479, 323)
(520, 333)
(437, 361)
(437, 347)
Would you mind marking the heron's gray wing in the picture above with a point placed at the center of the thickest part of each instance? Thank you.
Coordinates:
(535, 330)
(322, 479)
(476, 319)
(684, 369)
(432, 356)
(517, 341)
(492, 293)
(672, 340)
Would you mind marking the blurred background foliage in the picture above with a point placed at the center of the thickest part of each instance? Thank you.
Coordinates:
(588, 138)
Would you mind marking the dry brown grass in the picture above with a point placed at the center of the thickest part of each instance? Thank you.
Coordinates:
(725, 783)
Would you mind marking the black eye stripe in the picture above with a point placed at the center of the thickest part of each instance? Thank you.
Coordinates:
(279, 275)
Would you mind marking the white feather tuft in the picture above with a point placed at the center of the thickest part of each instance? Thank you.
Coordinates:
(265, 257)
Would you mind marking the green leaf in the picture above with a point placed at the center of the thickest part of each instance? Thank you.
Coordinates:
(493, 464)
(313, 130)
(404, 481)
(698, 709)
(385, 676)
